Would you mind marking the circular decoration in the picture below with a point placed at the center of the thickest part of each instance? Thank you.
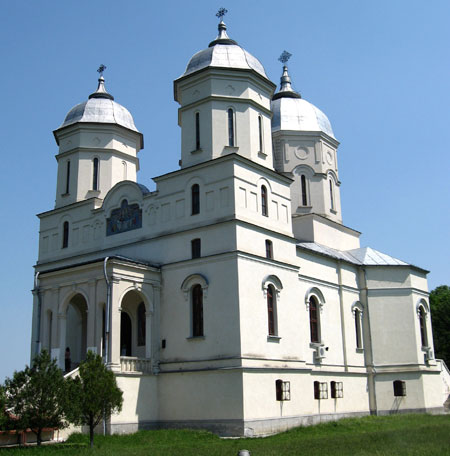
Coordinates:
(301, 153)
(329, 157)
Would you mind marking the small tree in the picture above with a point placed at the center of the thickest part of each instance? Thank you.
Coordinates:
(36, 394)
(4, 422)
(440, 313)
(94, 394)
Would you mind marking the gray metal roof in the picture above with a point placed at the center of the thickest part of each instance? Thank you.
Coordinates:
(225, 53)
(298, 114)
(364, 256)
(100, 108)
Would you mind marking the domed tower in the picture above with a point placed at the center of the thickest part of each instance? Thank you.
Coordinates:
(98, 145)
(305, 148)
(225, 104)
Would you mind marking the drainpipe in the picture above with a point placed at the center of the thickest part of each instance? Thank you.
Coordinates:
(108, 310)
(38, 295)
(341, 302)
(368, 354)
(107, 316)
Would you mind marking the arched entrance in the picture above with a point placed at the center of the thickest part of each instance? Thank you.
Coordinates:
(125, 334)
(133, 325)
(76, 329)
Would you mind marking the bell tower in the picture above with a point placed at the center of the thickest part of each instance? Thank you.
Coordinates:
(224, 98)
(305, 149)
(98, 146)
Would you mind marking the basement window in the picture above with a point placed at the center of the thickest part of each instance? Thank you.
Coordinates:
(283, 390)
(399, 388)
(320, 390)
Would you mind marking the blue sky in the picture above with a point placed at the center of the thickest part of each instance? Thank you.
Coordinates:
(379, 70)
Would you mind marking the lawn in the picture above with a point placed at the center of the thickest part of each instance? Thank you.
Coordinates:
(410, 435)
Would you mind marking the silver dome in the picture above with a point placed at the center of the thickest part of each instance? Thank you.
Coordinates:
(298, 115)
(225, 53)
(100, 108)
(291, 112)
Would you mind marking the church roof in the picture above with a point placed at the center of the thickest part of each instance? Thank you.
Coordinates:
(223, 52)
(364, 256)
(100, 108)
(291, 112)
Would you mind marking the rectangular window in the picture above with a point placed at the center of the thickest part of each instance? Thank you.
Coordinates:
(196, 248)
(337, 390)
(399, 388)
(197, 131)
(283, 390)
(269, 249)
(320, 390)
(68, 177)
(260, 133)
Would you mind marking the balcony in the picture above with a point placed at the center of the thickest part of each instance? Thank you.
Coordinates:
(133, 364)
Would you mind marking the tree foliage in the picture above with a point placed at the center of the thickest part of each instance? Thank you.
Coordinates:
(5, 421)
(36, 396)
(94, 394)
(440, 312)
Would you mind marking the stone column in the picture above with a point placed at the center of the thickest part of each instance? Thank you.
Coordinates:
(91, 317)
(114, 329)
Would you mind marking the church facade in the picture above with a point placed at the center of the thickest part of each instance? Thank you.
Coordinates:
(232, 297)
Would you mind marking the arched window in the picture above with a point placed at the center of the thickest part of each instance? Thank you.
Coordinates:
(65, 242)
(195, 199)
(260, 130)
(197, 311)
(68, 176)
(358, 331)
(197, 131)
(331, 194)
(423, 327)
(269, 249)
(124, 169)
(314, 319)
(304, 194)
(95, 170)
(271, 310)
(264, 208)
(141, 324)
(230, 127)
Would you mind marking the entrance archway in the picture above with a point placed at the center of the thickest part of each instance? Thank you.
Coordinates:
(76, 329)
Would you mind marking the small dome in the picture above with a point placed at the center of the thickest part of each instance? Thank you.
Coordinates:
(100, 108)
(291, 112)
(225, 53)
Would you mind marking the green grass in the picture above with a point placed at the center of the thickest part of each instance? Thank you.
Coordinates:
(411, 435)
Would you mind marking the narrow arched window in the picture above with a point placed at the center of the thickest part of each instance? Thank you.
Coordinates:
(124, 169)
(197, 311)
(65, 242)
(304, 195)
(95, 170)
(264, 209)
(314, 319)
(68, 176)
(260, 133)
(423, 327)
(197, 131)
(331, 195)
(358, 328)
(271, 310)
(141, 324)
(231, 127)
(195, 199)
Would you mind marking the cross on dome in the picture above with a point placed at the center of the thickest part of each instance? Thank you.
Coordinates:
(101, 69)
(221, 13)
(284, 57)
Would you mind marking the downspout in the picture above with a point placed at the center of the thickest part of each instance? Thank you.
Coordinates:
(38, 329)
(369, 357)
(341, 303)
(108, 304)
(108, 310)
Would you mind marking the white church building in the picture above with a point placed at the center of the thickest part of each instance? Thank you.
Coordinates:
(232, 297)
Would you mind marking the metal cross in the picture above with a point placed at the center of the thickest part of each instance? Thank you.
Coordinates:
(284, 57)
(101, 69)
(221, 13)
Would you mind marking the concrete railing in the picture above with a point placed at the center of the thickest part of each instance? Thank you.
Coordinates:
(134, 364)
(445, 376)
